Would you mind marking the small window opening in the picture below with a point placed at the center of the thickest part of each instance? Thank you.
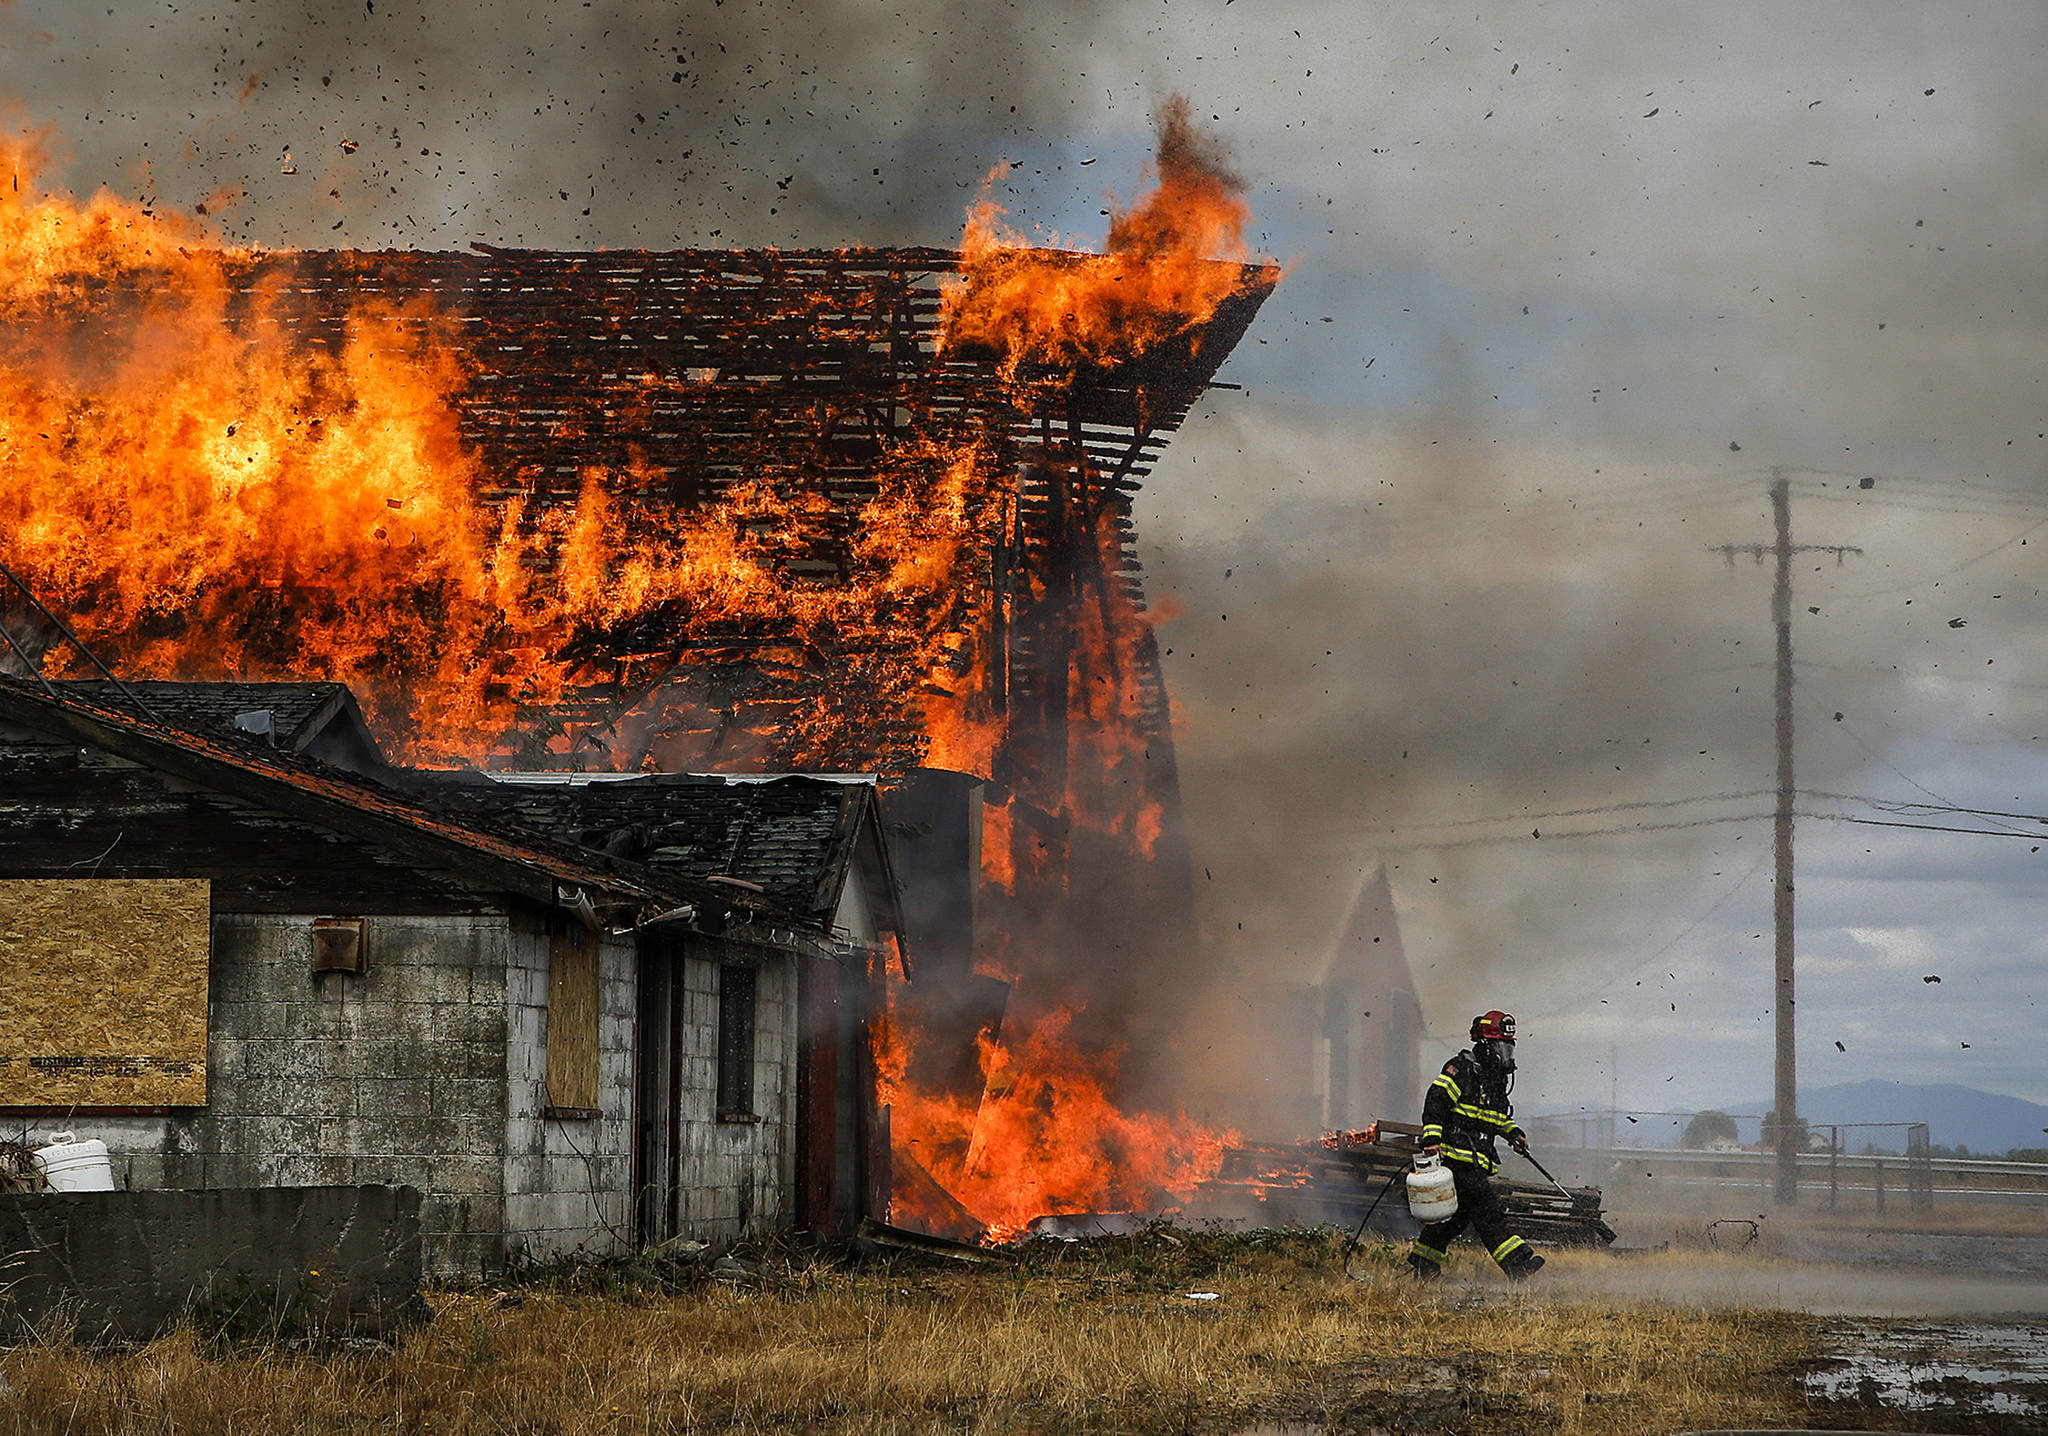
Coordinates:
(735, 1041)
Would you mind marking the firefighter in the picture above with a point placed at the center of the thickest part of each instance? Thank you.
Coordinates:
(1465, 1109)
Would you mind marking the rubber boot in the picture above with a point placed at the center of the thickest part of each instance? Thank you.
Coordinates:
(1423, 1269)
(1524, 1265)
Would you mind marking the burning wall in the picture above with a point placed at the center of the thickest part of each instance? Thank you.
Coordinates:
(701, 509)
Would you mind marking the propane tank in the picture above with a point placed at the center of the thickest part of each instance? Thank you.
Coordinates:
(1432, 1191)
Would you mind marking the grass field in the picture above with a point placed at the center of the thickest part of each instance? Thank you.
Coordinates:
(1106, 1336)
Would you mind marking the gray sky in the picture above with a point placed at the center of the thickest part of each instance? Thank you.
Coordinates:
(1568, 281)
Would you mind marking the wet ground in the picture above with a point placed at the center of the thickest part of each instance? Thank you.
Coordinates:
(1925, 1331)
(1819, 1287)
(1945, 1331)
(1991, 1375)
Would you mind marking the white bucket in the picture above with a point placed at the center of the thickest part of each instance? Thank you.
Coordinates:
(70, 1165)
(1432, 1191)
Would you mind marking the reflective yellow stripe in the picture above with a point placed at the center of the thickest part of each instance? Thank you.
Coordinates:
(1500, 1252)
(1428, 1254)
(1466, 1154)
(1432, 1132)
(1449, 1084)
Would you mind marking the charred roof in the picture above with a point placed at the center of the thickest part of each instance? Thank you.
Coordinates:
(677, 378)
(788, 842)
(322, 720)
(697, 369)
(788, 837)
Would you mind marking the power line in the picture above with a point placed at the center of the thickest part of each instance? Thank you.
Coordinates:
(1588, 811)
(1944, 509)
(1857, 739)
(1877, 488)
(1933, 827)
(2019, 537)
(1687, 931)
(1893, 805)
(1631, 829)
(1620, 830)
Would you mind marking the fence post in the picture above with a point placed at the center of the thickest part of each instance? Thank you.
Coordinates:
(1834, 1160)
(1919, 1168)
(1877, 1177)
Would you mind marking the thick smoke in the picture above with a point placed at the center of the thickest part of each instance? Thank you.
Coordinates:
(1568, 281)
(1511, 681)
(394, 123)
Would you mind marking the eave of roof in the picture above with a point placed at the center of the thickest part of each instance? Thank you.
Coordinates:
(534, 870)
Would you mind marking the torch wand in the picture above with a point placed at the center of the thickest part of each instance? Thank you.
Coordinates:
(1386, 1187)
(1546, 1172)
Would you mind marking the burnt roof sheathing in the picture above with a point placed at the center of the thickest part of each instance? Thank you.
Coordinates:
(484, 840)
(790, 837)
(298, 713)
(679, 376)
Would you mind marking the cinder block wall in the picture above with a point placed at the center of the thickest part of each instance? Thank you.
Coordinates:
(396, 1076)
(568, 1181)
(738, 1177)
(428, 1071)
(127, 1265)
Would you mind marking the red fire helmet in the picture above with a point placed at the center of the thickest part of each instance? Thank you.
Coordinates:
(1495, 1024)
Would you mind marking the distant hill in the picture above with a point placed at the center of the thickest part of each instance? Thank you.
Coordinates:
(1985, 1122)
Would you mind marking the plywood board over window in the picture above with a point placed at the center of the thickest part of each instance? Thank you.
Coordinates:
(103, 992)
(572, 1023)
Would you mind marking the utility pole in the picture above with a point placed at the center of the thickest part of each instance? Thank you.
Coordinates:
(1786, 1096)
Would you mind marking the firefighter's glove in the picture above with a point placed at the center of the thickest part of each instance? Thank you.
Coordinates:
(1432, 1151)
(1519, 1140)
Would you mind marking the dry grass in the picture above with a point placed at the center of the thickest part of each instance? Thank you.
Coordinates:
(1102, 1338)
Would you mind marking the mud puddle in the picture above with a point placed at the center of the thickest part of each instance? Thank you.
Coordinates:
(1967, 1370)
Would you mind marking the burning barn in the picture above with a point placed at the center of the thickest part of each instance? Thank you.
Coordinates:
(853, 511)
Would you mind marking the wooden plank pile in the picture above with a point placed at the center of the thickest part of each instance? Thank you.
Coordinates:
(1334, 1182)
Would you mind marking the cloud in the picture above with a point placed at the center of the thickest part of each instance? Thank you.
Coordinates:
(1608, 266)
(1431, 640)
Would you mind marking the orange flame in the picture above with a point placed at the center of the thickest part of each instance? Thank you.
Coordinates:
(1047, 1136)
(1157, 277)
(204, 499)
(1049, 1133)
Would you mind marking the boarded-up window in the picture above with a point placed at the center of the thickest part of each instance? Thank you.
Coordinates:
(735, 1041)
(572, 1022)
(103, 992)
